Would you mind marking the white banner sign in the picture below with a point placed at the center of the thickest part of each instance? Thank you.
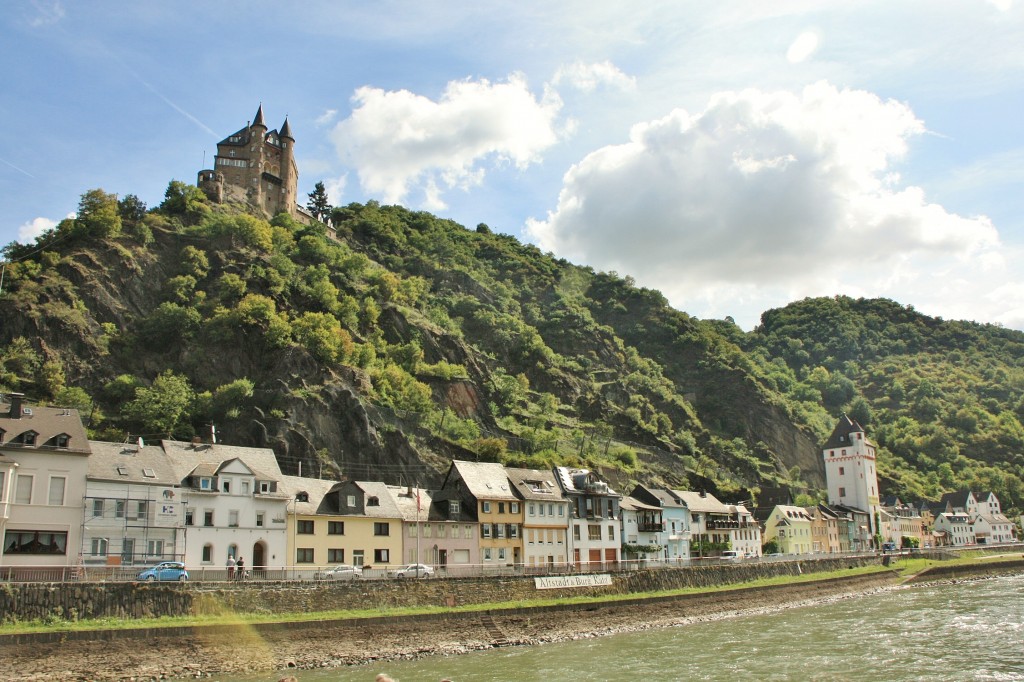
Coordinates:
(588, 580)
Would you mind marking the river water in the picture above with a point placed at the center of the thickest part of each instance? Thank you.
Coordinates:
(962, 631)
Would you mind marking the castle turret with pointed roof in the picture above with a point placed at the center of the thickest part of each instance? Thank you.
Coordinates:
(256, 166)
(850, 469)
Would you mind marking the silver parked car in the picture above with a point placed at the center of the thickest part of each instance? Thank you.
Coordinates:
(414, 571)
(343, 572)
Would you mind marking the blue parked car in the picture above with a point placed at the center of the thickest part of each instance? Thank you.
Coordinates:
(165, 570)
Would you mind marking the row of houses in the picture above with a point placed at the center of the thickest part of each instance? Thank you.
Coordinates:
(65, 500)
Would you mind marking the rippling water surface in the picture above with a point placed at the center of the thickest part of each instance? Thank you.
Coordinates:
(964, 631)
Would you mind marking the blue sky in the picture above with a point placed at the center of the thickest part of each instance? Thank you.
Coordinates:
(736, 156)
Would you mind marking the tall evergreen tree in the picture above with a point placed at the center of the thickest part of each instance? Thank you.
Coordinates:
(318, 204)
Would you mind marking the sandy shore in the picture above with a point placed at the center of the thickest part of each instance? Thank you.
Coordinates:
(204, 652)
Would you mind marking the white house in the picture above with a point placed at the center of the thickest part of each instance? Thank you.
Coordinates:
(545, 517)
(746, 536)
(850, 470)
(593, 518)
(955, 528)
(134, 509)
(44, 455)
(992, 529)
(643, 528)
(675, 517)
(232, 504)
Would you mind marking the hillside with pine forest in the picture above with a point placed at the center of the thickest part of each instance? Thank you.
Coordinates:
(385, 342)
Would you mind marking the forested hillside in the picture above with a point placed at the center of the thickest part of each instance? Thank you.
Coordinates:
(405, 340)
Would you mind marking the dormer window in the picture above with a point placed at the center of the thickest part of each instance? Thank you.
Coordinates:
(372, 502)
(264, 487)
(205, 483)
(453, 507)
(29, 438)
(2, 432)
(62, 440)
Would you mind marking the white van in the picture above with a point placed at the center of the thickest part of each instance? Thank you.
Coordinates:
(730, 555)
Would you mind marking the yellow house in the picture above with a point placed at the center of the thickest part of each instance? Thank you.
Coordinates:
(790, 527)
(484, 488)
(331, 523)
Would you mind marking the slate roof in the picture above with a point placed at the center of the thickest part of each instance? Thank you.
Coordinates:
(386, 507)
(957, 499)
(665, 497)
(841, 434)
(701, 502)
(286, 130)
(634, 504)
(404, 499)
(483, 480)
(108, 460)
(185, 457)
(47, 423)
(534, 484)
(315, 488)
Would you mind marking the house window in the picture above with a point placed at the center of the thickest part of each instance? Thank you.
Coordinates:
(204, 484)
(440, 530)
(357, 557)
(513, 530)
(593, 532)
(513, 507)
(381, 556)
(335, 527)
(23, 491)
(381, 528)
(501, 507)
(190, 514)
(372, 501)
(576, 533)
(842, 492)
(501, 554)
(531, 509)
(149, 473)
(453, 507)
(245, 487)
(142, 509)
(207, 554)
(233, 518)
(29, 438)
(842, 470)
(486, 507)
(455, 530)
(3, 474)
(155, 548)
(264, 487)
(335, 556)
(208, 517)
(350, 500)
(99, 546)
(226, 485)
(304, 527)
(304, 555)
(97, 505)
(499, 530)
(485, 530)
(56, 498)
(62, 440)
(260, 517)
(487, 553)
(611, 532)
(119, 509)
(413, 530)
(561, 510)
(426, 530)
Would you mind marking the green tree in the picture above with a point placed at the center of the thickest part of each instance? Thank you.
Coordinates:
(318, 204)
(98, 215)
(185, 201)
(131, 208)
(161, 407)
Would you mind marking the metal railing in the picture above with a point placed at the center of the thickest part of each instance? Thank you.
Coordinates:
(311, 573)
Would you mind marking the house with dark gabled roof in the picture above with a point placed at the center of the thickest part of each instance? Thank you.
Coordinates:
(675, 517)
(373, 523)
(44, 456)
(850, 470)
(439, 531)
(485, 488)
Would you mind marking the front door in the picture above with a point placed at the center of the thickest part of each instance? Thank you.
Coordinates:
(259, 551)
(442, 557)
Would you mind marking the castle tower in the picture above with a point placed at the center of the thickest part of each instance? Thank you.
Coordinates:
(256, 166)
(850, 469)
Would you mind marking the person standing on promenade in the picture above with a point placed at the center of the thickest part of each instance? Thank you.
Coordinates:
(231, 566)
(240, 568)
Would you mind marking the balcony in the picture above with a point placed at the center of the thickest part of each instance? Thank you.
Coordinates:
(650, 527)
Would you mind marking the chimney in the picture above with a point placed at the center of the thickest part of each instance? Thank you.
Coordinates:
(16, 399)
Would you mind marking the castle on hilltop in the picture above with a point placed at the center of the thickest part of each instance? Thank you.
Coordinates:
(256, 166)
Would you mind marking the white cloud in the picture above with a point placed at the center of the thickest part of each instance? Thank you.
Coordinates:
(765, 197)
(1002, 5)
(803, 47)
(28, 232)
(335, 189)
(47, 13)
(327, 117)
(587, 77)
(398, 140)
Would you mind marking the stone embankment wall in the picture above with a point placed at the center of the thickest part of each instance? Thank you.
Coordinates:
(36, 601)
(975, 570)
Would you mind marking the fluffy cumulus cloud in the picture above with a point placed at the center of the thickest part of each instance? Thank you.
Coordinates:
(803, 47)
(28, 232)
(765, 197)
(587, 77)
(399, 141)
